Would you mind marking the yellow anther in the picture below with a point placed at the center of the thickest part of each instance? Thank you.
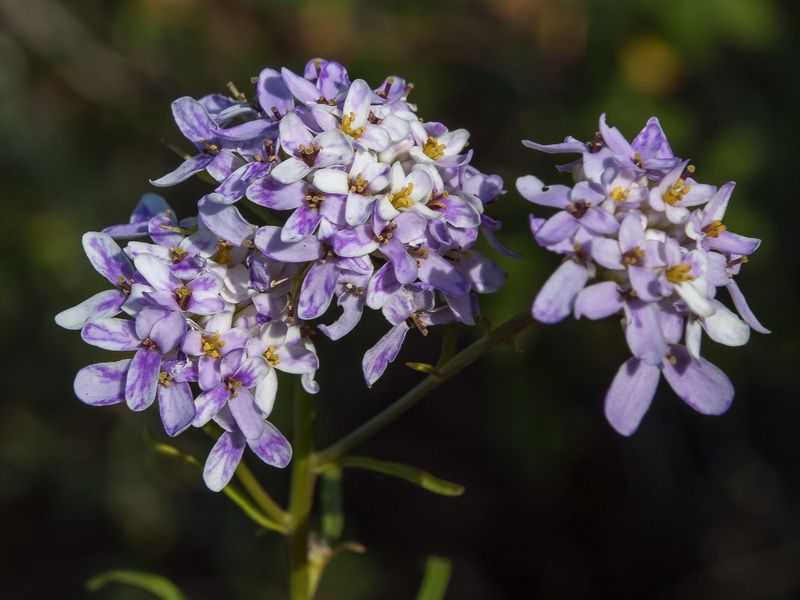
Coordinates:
(454, 256)
(401, 199)
(177, 254)
(676, 193)
(233, 385)
(421, 252)
(432, 149)
(212, 344)
(632, 257)
(182, 295)
(310, 150)
(223, 254)
(714, 228)
(637, 160)
(272, 356)
(619, 194)
(314, 200)
(671, 359)
(680, 273)
(347, 122)
(359, 185)
(165, 379)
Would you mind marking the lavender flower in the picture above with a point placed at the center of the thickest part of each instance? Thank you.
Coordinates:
(641, 237)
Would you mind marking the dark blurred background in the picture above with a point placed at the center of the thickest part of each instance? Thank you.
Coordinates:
(557, 504)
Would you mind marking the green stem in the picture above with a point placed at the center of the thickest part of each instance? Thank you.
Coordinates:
(260, 496)
(453, 366)
(301, 497)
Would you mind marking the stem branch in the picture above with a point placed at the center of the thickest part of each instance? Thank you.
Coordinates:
(460, 361)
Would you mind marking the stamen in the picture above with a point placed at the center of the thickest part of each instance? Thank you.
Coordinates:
(713, 229)
(223, 254)
(272, 356)
(596, 144)
(633, 257)
(211, 345)
(415, 320)
(309, 155)
(680, 273)
(432, 149)
(355, 290)
(125, 285)
(236, 93)
(619, 194)
(421, 252)
(177, 254)
(347, 122)
(359, 185)
(165, 379)
(314, 199)
(637, 160)
(209, 148)
(148, 344)
(402, 198)
(676, 193)
(182, 295)
(578, 209)
(385, 91)
(233, 385)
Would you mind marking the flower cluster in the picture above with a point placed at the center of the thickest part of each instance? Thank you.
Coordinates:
(652, 242)
(381, 210)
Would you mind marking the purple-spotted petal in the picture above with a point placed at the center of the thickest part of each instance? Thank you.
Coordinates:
(301, 223)
(193, 120)
(317, 289)
(140, 385)
(107, 257)
(223, 459)
(103, 305)
(209, 403)
(268, 240)
(381, 354)
(272, 447)
(176, 406)
(225, 221)
(102, 384)
(111, 334)
(247, 416)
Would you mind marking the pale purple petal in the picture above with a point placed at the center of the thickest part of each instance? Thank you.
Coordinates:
(102, 384)
(107, 257)
(140, 385)
(223, 459)
(266, 392)
(743, 309)
(176, 406)
(247, 416)
(599, 221)
(268, 240)
(209, 404)
(336, 149)
(557, 228)
(301, 223)
(733, 243)
(355, 241)
(225, 221)
(100, 306)
(168, 332)
(186, 169)
(484, 274)
(111, 334)
(405, 266)
(598, 301)
(272, 447)
(251, 371)
(381, 354)
(317, 290)
(630, 395)
(554, 301)
(643, 331)
(301, 88)
(700, 384)
(193, 120)
(272, 92)
(290, 170)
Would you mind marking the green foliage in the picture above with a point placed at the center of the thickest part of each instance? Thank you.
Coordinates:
(157, 585)
(409, 473)
(437, 576)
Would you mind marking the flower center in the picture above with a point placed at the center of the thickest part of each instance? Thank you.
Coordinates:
(233, 385)
(347, 126)
(432, 149)
(314, 199)
(634, 257)
(386, 234)
(680, 273)
(309, 155)
(578, 209)
(619, 194)
(182, 295)
(712, 230)
(177, 254)
(223, 254)
(359, 185)
(212, 344)
(676, 193)
(165, 379)
(272, 356)
(402, 198)
(148, 344)
(436, 200)
(385, 91)
(124, 285)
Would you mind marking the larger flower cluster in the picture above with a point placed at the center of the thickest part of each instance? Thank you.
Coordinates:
(382, 210)
(652, 241)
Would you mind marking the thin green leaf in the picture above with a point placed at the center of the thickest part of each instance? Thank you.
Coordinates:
(331, 499)
(407, 472)
(231, 491)
(424, 368)
(437, 576)
(157, 585)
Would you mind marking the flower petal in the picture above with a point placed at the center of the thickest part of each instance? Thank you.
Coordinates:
(102, 384)
(630, 395)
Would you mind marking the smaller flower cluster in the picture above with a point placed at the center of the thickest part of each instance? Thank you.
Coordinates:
(651, 241)
(203, 312)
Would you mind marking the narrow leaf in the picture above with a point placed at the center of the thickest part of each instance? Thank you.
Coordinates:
(437, 576)
(424, 368)
(409, 473)
(157, 585)
(331, 498)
